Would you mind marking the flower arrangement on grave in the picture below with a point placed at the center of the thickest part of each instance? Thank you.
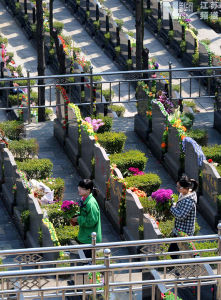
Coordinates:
(70, 208)
(66, 102)
(164, 199)
(24, 180)
(168, 105)
(138, 192)
(133, 172)
(184, 20)
(169, 296)
(88, 127)
(96, 123)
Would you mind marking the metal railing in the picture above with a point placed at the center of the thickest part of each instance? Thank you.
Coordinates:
(189, 80)
(32, 273)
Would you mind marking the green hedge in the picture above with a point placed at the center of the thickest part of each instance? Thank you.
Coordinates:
(55, 214)
(132, 158)
(13, 98)
(12, 129)
(67, 233)
(108, 122)
(119, 109)
(112, 142)
(199, 135)
(219, 169)
(167, 226)
(56, 184)
(213, 152)
(24, 149)
(36, 168)
(59, 26)
(148, 182)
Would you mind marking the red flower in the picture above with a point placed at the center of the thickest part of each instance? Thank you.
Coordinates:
(210, 160)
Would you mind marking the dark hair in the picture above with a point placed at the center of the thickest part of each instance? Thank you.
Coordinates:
(88, 184)
(185, 182)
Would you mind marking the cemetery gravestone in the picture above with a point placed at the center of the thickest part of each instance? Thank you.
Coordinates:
(177, 31)
(102, 173)
(112, 206)
(158, 127)
(203, 56)
(211, 188)
(87, 154)
(217, 113)
(191, 162)
(190, 43)
(72, 139)
(172, 157)
(134, 216)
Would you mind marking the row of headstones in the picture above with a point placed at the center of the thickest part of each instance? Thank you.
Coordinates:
(82, 156)
(211, 180)
(17, 200)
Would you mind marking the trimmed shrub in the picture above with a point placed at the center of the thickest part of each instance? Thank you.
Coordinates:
(36, 168)
(108, 121)
(148, 182)
(207, 245)
(132, 158)
(12, 129)
(119, 109)
(219, 169)
(56, 215)
(112, 142)
(149, 205)
(56, 184)
(24, 149)
(67, 233)
(167, 226)
(186, 121)
(199, 135)
(58, 26)
(213, 152)
(25, 82)
(108, 94)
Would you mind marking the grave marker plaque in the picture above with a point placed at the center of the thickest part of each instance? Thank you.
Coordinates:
(203, 56)
(190, 43)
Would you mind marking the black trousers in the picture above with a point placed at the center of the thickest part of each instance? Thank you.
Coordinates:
(174, 248)
(87, 253)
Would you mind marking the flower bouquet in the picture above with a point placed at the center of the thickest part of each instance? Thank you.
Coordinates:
(163, 198)
(133, 172)
(70, 209)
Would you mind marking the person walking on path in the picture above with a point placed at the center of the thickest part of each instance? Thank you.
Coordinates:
(184, 210)
(89, 219)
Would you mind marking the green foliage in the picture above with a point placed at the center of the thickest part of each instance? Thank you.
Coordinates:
(12, 129)
(129, 62)
(159, 24)
(199, 135)
(166, 227)
(48, 113)
(148, 12)
(171, 34)
(25, 219)
(186, 121)
(3, 40)
(112, 142)
(176, 87)
(207, 245)
(206, 41)
(24, 149)
(25, 82)
(195, 31)
(97, 24)
(15, 99)
(108, 121)
(195, 58)
(55, 214)
(132, 158)
(119, 109)
(67, 39)
(119, 23)
(117, 50)
(148, 183)
(108, 94)
(149, 205)
(36, 168)
(213, 152)
(219, 170)
(56, 184)
(107, 36)
(191, 104)
(130, 33)
(59, 26)
(66, 233)
(33, 28)
(183, 46)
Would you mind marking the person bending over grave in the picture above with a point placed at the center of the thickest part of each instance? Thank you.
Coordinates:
(184, 210)
(89, 219)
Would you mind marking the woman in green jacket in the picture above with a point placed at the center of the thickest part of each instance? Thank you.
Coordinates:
(89, 219)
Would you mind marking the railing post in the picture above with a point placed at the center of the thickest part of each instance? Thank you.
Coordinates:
(93, 238)
(91, 89)
(29, 98)
(107, 253)
(170, 80)
(218, 294)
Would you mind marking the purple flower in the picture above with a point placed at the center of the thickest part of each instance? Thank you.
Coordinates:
(162, 195)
